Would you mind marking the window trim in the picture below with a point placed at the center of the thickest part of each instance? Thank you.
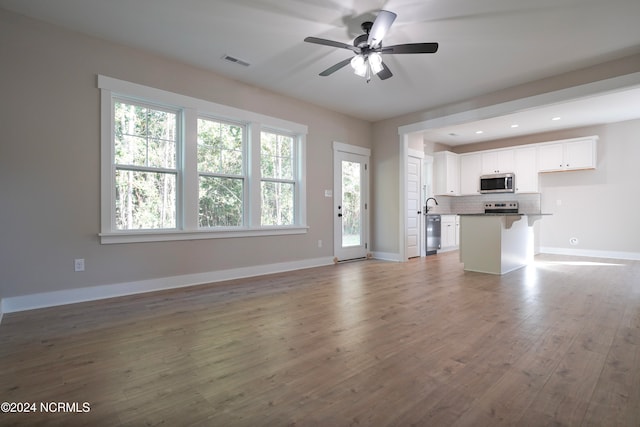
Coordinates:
(192, 108)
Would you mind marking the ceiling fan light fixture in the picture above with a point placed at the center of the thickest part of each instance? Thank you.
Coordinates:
(359, 65)
(375, 60)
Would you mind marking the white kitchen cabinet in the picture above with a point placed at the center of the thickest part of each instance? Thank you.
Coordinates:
(498, 161)
(550, 157)
(470, 171)
(526, 169)
(458, 230)
(571, 154)
(448, 231)
(446, 171)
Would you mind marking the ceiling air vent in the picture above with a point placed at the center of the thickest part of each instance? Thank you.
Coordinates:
(235, 60)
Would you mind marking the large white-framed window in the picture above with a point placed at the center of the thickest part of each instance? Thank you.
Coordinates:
(175, 167)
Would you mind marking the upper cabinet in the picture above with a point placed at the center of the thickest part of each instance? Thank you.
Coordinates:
(446, 171)
(570, 154)
(525, 169)
(459, 174)
(470, 171)
(499, 161)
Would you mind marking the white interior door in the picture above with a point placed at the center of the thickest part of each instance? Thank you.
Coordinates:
(351, 181)
(414, 208)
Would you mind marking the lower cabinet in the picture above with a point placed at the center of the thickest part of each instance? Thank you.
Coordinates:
(449, 237)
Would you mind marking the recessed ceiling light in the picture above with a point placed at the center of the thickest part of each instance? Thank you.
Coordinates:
(515, 125)
(555, 119)
(479, 132)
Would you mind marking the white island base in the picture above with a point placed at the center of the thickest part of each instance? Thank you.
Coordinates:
(496, 244)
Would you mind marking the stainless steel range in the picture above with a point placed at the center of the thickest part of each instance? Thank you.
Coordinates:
(501, 207)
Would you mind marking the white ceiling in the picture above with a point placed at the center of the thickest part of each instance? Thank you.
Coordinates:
(609, 107)
(485, 46)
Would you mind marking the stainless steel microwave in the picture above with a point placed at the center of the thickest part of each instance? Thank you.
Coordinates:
(498, 183)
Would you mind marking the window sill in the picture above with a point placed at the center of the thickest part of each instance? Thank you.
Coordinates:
(171, 235)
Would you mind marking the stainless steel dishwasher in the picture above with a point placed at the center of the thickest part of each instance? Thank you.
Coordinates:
(434, 234)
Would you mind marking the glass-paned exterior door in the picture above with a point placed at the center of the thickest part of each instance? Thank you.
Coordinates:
(350, 206)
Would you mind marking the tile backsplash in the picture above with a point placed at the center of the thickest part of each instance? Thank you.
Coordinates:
(529, 203)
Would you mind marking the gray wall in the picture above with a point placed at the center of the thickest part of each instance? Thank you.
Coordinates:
(599, 207)
(49, 164)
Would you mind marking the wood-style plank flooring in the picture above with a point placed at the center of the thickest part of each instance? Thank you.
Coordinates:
(367, 343)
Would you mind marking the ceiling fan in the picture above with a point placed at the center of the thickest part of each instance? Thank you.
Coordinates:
(368, 48)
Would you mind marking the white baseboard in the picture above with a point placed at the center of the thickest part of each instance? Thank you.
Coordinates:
(386, 256)
(635, 256)
(449, 249)
(70, 296)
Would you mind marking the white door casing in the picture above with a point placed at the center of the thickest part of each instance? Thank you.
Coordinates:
(351, 201)
(414, 204)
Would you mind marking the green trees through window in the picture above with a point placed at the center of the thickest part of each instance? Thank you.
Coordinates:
(147, 147)
(145, 157)
(278, 178)
(221, 174)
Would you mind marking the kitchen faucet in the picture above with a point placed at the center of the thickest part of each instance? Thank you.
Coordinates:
(426, 204)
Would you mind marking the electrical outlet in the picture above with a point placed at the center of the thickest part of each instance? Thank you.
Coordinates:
(78, 264)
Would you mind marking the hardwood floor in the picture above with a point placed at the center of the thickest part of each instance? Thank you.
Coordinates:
(369, 343)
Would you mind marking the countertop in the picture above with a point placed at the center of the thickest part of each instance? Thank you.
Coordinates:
(508, 219)
(501, 214)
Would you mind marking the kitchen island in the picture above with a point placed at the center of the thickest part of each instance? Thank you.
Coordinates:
(496, 243)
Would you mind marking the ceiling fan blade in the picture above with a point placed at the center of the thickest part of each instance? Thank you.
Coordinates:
(335, 67)
(332, 43)
(385, 73)
(380, 27)
(411, 48)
